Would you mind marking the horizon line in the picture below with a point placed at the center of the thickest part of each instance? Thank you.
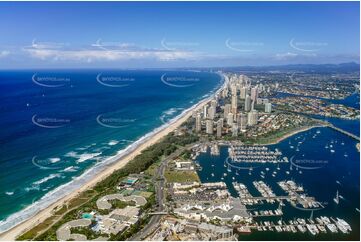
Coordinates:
(162, 68)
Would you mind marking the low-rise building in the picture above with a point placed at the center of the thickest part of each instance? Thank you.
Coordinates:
(218, 232)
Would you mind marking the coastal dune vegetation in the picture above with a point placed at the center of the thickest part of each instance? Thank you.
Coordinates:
(86, 201)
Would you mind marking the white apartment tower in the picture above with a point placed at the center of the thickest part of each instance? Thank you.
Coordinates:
(198, 123)
(254, 93)
(252, 117)
(234, 104)
(219, 128)
(227, 110)
(205, 107)
(247, 103)
(234, 130)
(230, 119)
(211, 112)
(243, 92)
(242, 122)
(209, 126)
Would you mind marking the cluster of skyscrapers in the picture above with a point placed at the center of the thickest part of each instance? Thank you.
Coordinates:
(234, 109)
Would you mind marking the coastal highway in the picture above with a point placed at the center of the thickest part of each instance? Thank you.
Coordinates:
(159, 181)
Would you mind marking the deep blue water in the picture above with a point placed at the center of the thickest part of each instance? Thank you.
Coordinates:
(335, 171)
(57, 124)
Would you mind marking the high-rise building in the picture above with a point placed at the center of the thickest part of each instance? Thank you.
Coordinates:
(252, 105)
(234, 130)
(234, 105)
(209, 126)
(241, 78)
(234, 89)
(211, 112)
(238, 118)
(222, 121)
(225, 92)
(242, 121)
(198, 123)
(252, 117)
(268, 107)
(205, 107)
(214, 104)
(230, 119)
(244, 79)
(254, 93)
(227, 110)
(247, 103)
(243, 92)
(219, 128)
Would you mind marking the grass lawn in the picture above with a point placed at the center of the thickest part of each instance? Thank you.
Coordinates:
(181, 176)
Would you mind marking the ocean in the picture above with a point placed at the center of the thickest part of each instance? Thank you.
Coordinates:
(60, 127)
(328, 162)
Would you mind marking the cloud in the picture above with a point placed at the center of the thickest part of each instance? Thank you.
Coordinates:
(291, 56)
(285, 56)
(46, 45)
(109, 51)
(111, 45)
(4, 53)
(172, 54)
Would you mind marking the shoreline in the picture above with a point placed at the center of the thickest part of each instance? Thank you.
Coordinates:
(135, 149)
(294, 132)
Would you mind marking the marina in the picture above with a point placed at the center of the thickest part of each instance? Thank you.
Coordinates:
(321, 225)
(284, 197)
(254, 154)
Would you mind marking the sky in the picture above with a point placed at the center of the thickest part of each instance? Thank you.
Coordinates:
(177, 34)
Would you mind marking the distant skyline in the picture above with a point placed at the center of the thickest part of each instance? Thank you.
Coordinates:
(177, 34)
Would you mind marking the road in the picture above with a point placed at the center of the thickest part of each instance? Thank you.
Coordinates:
(159, 182)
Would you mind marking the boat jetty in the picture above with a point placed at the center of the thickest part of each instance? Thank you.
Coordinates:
(297, 195)
(244, 195)
(255, 154)
(265, 190)
(321, 224)
(204, 148)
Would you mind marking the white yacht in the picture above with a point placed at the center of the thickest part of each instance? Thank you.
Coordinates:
(337, 198)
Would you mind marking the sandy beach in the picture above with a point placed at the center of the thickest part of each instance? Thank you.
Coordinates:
(26, 225)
